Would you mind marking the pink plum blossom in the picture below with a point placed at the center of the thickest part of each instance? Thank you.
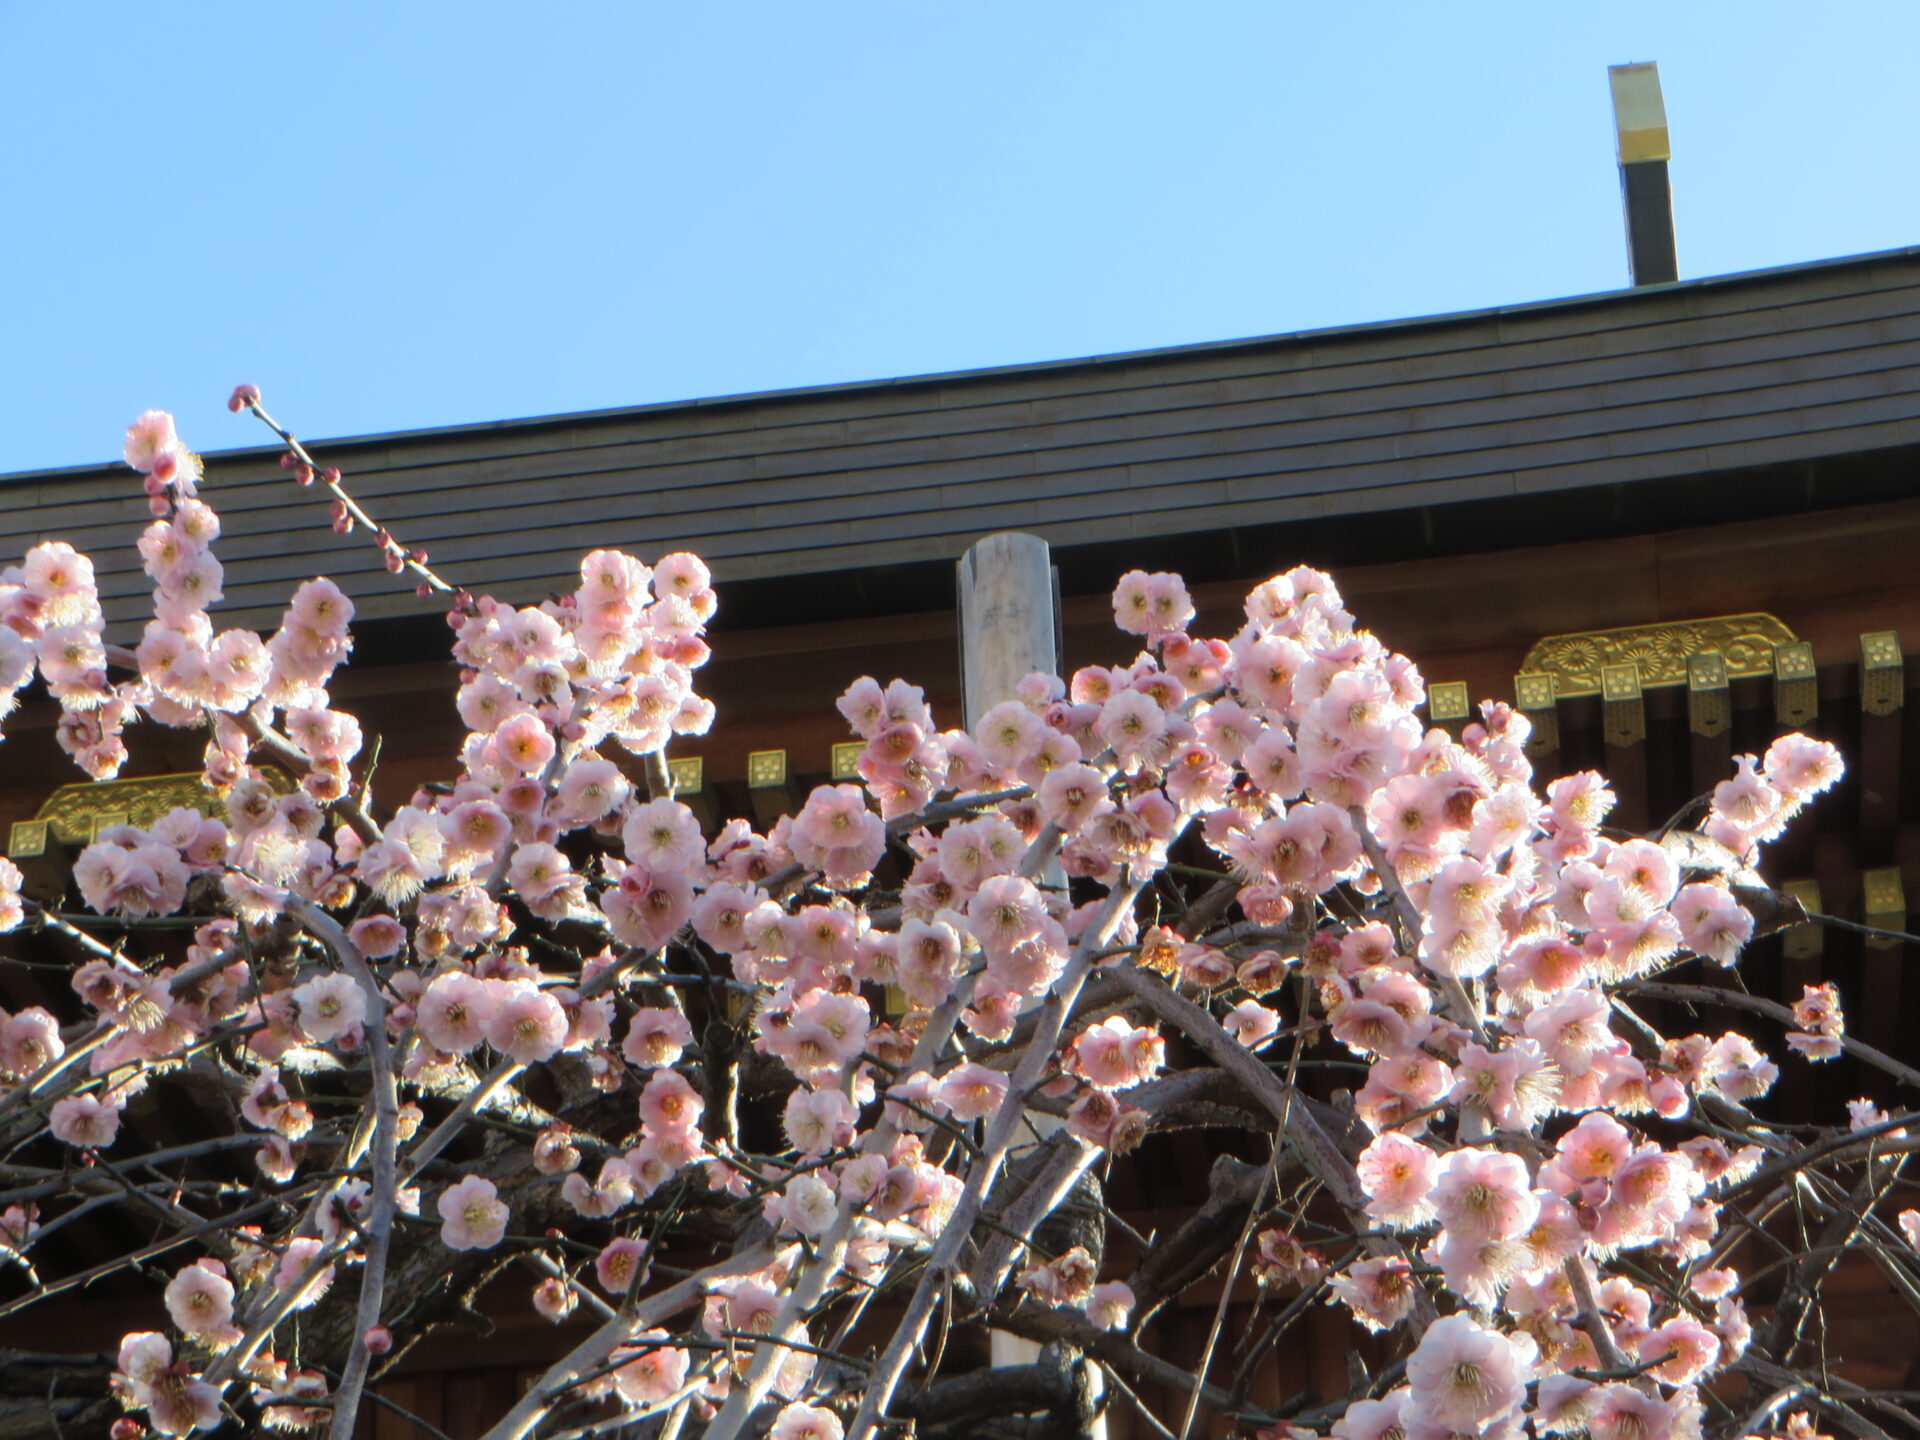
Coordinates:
(200, 1298)
(472, 1215)
(85, 1121)
(329, 1006)
(970, 1091)
(1464, 1375)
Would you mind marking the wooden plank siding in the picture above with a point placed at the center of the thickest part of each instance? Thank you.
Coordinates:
(1676, 381)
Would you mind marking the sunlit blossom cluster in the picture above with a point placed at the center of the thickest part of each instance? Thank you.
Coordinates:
(1400, 894)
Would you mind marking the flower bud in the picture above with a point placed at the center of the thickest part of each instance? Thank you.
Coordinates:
(242, 397)
(379, 1340)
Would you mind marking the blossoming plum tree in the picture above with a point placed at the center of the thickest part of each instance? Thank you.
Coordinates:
(513, 1019)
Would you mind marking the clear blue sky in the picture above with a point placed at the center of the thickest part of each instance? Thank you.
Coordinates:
(413, 214)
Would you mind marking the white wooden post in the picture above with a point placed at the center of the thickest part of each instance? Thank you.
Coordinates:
(1007, 631)
(1006, 618)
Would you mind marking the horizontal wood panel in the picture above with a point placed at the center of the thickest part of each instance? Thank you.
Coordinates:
(1680, 380)
(1527, 385)
(780, 509)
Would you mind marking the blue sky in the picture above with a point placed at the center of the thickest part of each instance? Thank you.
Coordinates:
(401, 216)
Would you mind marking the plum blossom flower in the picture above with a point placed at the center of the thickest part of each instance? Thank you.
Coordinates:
(85, 1121)
(473, 1217)
(664, 836)
(1073, 794)
(1464, 1375)
(523, 744)
(1910, 1227)
(817, 1121)
(12, 912)
(29, 1042)
(590, 788)
(1373, 1419)
(669, 1102)
(807, 1205)
(806, 1422)
(1622, 1412)
(838, 835)
(1251, 1023)
(299, 1266)
(607, 1195)
(135, 879)
(542, 878)
(1067, 1280)
(1379, 1291)
(656, 1374)
(1484, 1195)
(1398, 1173)
(329, 1006)
(455, 1012)
(1281, 1259)
(1817, 1013)
(1712, 923)
(1110, 1304)
(528, 1024)
(1679, 1351)
(1129, 725)
(1800, 767)
(656, 1036)
(200, 1298)
(971, 1091)
(1005, 911)
(1114, 1054)
(554, 1299)
(618, 1264)
(378, 937)
(176, 1400)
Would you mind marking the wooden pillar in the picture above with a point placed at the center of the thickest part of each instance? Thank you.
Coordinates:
(1008, 630)
(1883, 697)
(1007, 624)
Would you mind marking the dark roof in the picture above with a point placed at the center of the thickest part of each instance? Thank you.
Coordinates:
(1695, 379)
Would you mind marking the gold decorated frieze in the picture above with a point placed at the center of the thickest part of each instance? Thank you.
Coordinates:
(1660, 653)
(75, 814)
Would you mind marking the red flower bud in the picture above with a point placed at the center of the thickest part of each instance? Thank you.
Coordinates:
(419, 557)
(342, 518)
(242, 397)
(423, 590)
(303, 474)
(331, 474)
(127, 1428)
(289, 460)
(379, 1340)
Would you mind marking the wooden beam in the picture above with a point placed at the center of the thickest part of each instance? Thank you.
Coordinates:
(1008, 622)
